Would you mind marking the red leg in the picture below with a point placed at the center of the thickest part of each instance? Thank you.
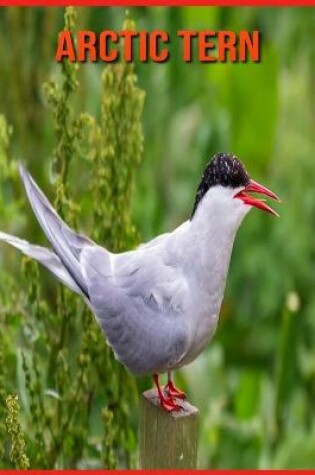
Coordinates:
(168, 404)
(172, 390)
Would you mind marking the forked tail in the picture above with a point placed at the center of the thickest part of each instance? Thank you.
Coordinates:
(64, 260)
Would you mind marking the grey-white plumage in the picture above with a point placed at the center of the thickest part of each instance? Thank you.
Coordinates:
(159, 304)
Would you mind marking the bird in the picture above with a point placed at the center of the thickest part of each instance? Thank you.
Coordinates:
(158, 305)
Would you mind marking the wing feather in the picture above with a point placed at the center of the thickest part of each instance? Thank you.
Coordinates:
(146, 336)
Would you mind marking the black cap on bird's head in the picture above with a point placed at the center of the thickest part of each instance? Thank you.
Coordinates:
(227, 170)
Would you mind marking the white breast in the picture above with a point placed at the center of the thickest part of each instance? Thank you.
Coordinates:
(205, 247)
(202, 322)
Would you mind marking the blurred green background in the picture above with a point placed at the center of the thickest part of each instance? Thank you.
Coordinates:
(255, 384)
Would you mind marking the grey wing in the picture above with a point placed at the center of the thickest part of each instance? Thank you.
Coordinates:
(139, 307)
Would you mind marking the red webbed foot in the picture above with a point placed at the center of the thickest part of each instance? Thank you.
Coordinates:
(167, 403)
(173, 391)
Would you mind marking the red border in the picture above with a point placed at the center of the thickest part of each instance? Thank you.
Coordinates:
(142, 3)
(158, 472)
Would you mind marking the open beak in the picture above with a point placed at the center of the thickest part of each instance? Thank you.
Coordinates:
(254, 187)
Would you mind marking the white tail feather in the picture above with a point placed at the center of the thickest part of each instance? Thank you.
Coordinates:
(46, 257)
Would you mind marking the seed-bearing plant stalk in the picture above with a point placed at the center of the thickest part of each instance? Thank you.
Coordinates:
(12, 437)
(77, 399)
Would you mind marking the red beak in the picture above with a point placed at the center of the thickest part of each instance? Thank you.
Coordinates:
(254, 187)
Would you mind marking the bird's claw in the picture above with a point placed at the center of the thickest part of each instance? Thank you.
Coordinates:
(173, 391)
(169, 405)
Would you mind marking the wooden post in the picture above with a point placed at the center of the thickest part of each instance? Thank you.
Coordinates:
(167, 440)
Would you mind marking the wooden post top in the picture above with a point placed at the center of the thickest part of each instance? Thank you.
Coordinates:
(187, 409)
(167, 439)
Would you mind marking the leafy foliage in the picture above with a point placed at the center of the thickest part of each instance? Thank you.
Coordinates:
(65, 360)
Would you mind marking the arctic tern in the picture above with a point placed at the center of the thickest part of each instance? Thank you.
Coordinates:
(158, 305)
